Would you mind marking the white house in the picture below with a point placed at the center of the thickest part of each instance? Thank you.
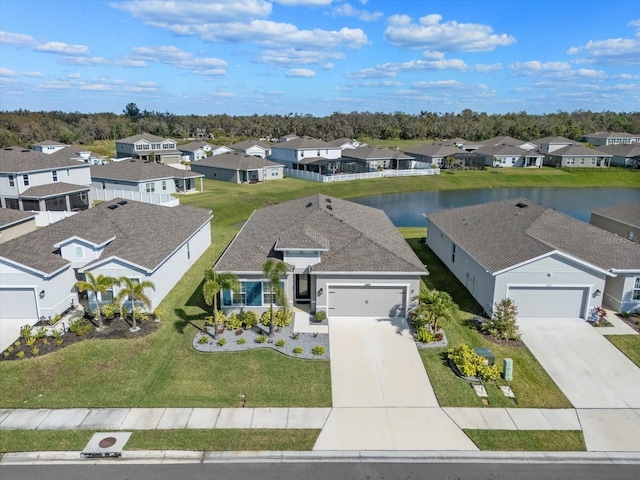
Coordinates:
(302, 149)
(551, 265)
(14, 223)
(599, 139)
(239, 168)
(118, 238)
(149, 147)
(195, 151)
(253, 147)
(48, 146)
(31, 180)
(510, 156)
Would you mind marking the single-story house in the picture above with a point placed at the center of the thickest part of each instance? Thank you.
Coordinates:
(195, 151)
(48, 146)
(345, 143)
(507, 140)
(510, 156)
(380, 157)
(577, 155)
(627, 155)
(342, 258)
(253, 147)
(14, 223)
(623, 220)
(38, 270)
(551, 265)
(599, 139)
(238, 168)
(428, 155)
(222, 149)
(144, 176)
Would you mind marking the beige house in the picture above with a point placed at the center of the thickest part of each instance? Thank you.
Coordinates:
(14, 223)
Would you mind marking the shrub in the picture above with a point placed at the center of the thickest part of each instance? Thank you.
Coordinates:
(281, 343)
(30, 341)
(419, 322)
(424, 335)
(6, 354)
(56, 334)
(222, 342)
(233, 322)
(470, 364)
(242, 341)
(249, 319)
(20, 354)
(261, 338)
(318, 350)
(158, 313)
(298, 350)
(41, 332)
(109, 310)
(25, 332)
(320, 315)
(80, 327)
(10, 349)
(56, 318)
(279, 320)
(503, 322)
(35, 351)
(17, 343)
(202, 340)
(489, 373)
(59, 341)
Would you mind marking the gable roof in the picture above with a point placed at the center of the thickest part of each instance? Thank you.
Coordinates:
(48, 143)
(610, 135)
(9, 217)
(302, 143)
(358, 238)
(503, 140)
(246, 144)
(578, 149)
(23, 160)
(501, 235)
(136, 170)
(193, 146)
(375, 153)
(628, 214)
(145, 235)
(53, 190)
(628, 150)
(236, 161)
(433, 150)
(553, 140)
(143, 136)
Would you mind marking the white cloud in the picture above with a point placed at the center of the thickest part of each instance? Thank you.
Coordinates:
(63, 48)
(536, 67)
(486, 68)
(16, 38)
(195, 12)
(307, 3)
(172, 55)
(434, 61)
(346, 10)
(431, 34)
(611, 51)
(5, 72)
(290, 57)
(301, 72)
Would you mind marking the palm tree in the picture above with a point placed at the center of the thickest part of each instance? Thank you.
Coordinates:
(273, 270)
(135, 292)
(213, 283)
(95, 285)
(436, 305)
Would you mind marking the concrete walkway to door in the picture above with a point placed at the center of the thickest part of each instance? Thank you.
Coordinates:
(382, 397)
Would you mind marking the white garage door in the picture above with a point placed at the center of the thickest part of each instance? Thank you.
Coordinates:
(18, 304)
(366, 301)
(549, 302)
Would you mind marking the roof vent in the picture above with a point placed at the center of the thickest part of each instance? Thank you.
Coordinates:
(521, 205)
(329, 207)
(328, 200)
(309, 204)
(122, 202)
(112, 207)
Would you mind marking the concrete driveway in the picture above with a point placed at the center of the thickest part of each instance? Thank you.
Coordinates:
(589, 370)
(375, 363)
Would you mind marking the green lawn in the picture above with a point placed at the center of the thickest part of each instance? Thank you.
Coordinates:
(627, 344)
(197, 440)
(528, 440)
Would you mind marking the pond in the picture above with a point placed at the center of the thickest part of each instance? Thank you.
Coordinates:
(406, 209)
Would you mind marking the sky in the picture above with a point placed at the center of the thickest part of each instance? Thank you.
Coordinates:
(245, 57)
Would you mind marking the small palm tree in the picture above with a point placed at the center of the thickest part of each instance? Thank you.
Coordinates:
(213, 283)
(436, 305)
(95, 285)
(273, 270)
(134, 291)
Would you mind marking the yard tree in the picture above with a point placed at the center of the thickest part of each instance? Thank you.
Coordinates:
(273, 270)
(435, 305)
(96, 284)
(213, 283)
(134, 291)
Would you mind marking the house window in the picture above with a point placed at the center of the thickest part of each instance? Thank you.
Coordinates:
(104, 185)
(25, 179)
(168, 146)
(54, 175)
(582, 161)
(12, 182)
(107, 296)
(571, 161)
(636, 289)
(188, 251)
(453, 253)
(155, 146)
(250, 294)
(318, 153)
(150, 187)
(164, 185)
(274, 172)
(593, 161)
(269, 297)
(79, 252)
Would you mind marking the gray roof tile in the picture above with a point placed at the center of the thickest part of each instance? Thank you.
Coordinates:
(14, 160)
(9, 216)
(235, 161)
(628, 213)
(136, 170)
(53, 189)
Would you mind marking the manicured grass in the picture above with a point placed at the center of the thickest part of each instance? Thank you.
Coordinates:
(627, 344)
(528, 440)
(531, 384)
(197, 440)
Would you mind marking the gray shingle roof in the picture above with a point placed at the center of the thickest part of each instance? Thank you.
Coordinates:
(136, 170)
(610, 135)
(374, 153)
(503, 140)
(553, 140)
(500, 235)
(53, 189)
(359, 238)
(47, 143)
(433, 150)
(235, 161)
(578, 149)
(10, 217)
(193, 146)
(143, 136)
(629, 150)
(23, 160)
(628, 213)
(145, 234)
(244, 145)
(303, 143)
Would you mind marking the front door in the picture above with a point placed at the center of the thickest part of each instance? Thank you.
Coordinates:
(303, 288)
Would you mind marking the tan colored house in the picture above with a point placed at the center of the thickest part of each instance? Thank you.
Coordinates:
(14, 223)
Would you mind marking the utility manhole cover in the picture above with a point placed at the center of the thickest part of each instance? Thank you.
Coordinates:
(107, 442)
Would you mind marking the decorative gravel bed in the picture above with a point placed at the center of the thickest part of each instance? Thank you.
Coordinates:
(232, 343)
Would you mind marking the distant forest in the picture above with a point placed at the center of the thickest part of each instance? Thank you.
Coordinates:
(22, 127)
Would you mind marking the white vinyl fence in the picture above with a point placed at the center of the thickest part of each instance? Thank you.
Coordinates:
(154, 198)
(48, 217)
(345, 177)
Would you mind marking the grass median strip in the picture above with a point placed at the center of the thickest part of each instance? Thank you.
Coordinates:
(197, 440)
(528, 440)
(627, 344)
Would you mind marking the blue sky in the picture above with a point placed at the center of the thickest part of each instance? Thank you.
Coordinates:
(244, 57)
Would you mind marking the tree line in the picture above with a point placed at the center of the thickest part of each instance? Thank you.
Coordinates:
(23, 127)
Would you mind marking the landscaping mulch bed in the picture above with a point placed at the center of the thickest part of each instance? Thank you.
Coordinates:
(117, 327)
(501, 341)
(632, 320)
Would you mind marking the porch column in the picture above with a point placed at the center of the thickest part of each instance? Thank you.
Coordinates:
(67, 201)
(43, 205)
(201, 185)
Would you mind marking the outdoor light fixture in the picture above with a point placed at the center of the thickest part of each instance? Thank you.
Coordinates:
(596, 293)
(320, 292)
(41, 293)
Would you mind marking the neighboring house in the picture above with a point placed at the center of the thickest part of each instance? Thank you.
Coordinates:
(143, 176)
(149, 147)
(253, 147)
(221, 149)
(48, 146)
(379, 157)
(14, 223)
(239, 168)
(301, 149)
(343, 258)
(79, 154)
(623, 155)
(623, 220)
(549, 264)
(458, 142)
(506, 140)
(31, 180)
(577, 156)
(599, 139)
(195, 151)
(288, 138)
(116, 238)
(428, 155)
(510, 156)
(347, 143)
(551, 144)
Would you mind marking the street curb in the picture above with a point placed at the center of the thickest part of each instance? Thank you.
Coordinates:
(178, 456)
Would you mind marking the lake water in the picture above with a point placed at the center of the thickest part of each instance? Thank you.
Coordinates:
(406, 209)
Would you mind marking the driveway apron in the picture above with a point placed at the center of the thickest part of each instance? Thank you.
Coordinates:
(589, 370)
